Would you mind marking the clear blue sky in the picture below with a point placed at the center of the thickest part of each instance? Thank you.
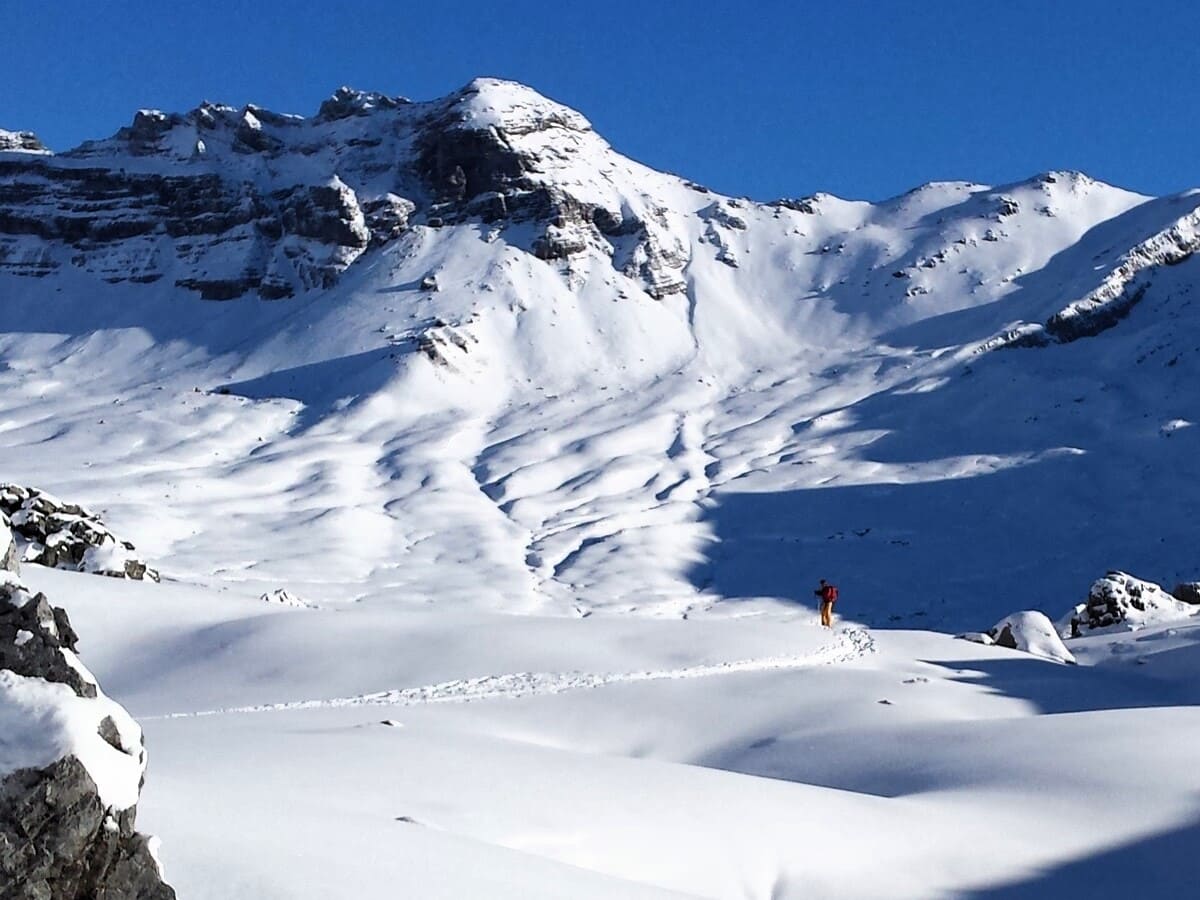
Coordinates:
(767, 99)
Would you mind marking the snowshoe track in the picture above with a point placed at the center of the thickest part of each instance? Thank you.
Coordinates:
(850, 644)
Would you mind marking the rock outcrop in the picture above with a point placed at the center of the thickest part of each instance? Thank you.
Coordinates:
(1120, 599)
(67, 536)
(72, 764)
(497, 151)
(1121, 288)
(284, 597)
(1124, 286)
(229, 201)
(20, 142)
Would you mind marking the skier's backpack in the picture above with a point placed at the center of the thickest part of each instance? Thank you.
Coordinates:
(832, 594)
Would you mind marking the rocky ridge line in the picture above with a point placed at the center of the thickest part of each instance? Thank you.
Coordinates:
(228, 202)
(1116, 296)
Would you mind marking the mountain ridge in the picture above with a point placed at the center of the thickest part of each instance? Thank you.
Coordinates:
(570, 361)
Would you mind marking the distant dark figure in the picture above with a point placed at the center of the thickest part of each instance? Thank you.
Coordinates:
(828, 594)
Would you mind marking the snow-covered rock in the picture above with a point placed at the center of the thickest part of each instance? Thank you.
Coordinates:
(10, 552)
(20, 142)
(1032, 632)
(72, 764)
(1121, 599)
(284, 597)
(977, 637)
(67, 536)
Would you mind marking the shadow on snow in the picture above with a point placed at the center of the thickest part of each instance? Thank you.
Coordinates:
(1153, 866)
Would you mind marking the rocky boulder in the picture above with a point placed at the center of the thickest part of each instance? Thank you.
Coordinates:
(1120, 599)
(72, 764)
(66, 536)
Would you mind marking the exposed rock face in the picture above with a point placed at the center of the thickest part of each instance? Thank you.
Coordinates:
(31, 634)
(66, 832)
(493, 151)
(214, 219)
(721, 220)
(227, 238)
(67, 536)
(1124, 286)
(462, 164)
(347, 102)
(60, 841)
(1120, 599)
(387, 217)
(228, 202)
(443, 344)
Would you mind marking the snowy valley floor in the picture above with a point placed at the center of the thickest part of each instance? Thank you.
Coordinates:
(317, 753)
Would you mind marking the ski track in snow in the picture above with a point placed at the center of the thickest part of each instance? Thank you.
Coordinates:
(850, 644)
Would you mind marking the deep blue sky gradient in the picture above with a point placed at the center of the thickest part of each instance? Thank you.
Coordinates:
(768, 99)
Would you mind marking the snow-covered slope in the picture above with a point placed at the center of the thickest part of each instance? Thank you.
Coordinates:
(516, 368)
(426, 365)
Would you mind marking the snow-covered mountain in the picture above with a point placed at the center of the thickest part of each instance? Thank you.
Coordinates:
(558, 378)
(415, 367)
